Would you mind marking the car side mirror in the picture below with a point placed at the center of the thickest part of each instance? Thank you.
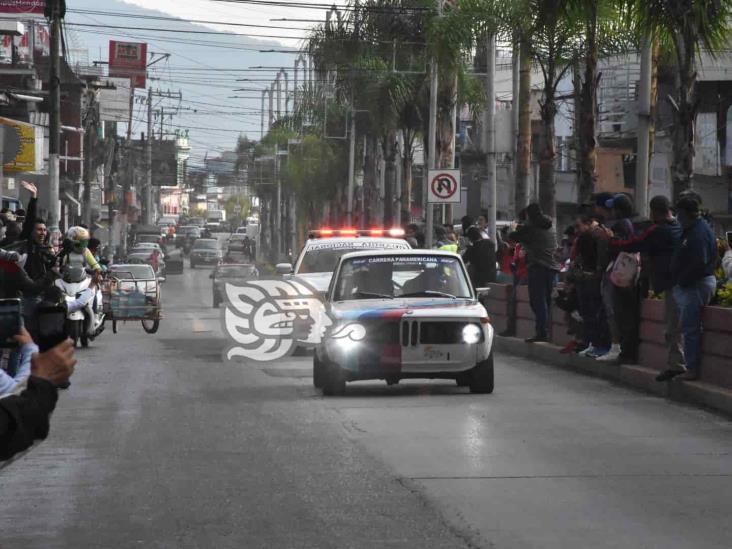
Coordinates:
(283, 268)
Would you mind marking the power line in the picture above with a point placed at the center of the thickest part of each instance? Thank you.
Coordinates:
(188, 31)
(180, 20)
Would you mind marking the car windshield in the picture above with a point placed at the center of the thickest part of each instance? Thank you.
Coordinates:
(206, 245)
(235, 271)
(148, 238)
(321, 261)
(141, 272)
(190, 230)
(418, 276)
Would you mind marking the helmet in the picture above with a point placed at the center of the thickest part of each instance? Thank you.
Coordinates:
(74, 274)
(79, 236)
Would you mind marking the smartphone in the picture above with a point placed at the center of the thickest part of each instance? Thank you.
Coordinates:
(729, 238)
(11, 321)
(51, 326)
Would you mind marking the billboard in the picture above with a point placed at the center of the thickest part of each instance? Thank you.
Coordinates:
(30, 156)
(22, 7)
(164, 164)
(128, 60)
(114, 100)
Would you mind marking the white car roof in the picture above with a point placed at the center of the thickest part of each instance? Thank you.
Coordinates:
(410, 252)
(343, 240)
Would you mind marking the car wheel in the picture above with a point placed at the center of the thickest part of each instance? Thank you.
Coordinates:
(334, 381)
(193, 265)
(463, 380)
(216, 301)
(319, 372)
(481, 377)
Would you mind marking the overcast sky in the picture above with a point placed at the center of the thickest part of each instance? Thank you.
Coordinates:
(237, 13)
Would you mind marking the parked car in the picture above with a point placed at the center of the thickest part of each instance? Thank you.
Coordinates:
(174, 262)
(186, 236)
(206, 251)
(230, 272)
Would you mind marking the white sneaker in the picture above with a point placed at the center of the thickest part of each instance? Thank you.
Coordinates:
(587, 351)
(612, 355)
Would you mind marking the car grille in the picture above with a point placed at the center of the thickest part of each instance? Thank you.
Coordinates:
(414, 332)
(380, 332)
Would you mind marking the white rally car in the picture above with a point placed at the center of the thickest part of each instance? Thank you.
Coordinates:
(321, 252)
(410, 314)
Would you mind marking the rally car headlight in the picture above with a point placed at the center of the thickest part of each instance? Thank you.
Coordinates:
(471, 334)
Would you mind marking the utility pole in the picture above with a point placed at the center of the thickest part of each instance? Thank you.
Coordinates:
(515, 85)
(264, 98)
(147, 200)
(351, 166)
(352, 142)
(489, 192)
(89, 137)
(271, 100)
(643, 158)
(431, 143)
(53, 11)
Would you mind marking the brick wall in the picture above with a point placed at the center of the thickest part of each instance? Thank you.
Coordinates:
(716, 366)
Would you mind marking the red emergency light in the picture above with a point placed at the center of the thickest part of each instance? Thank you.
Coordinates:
(396, 232)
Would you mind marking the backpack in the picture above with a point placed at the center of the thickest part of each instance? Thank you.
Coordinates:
(625, 269)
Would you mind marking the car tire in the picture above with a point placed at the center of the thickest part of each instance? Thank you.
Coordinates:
(334, 381)
(319, 372)
(463, 380)
(193, 265)
(216, 301)
(482, 378)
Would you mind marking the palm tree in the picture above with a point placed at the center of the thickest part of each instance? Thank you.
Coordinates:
(687, 26)
(604, 31)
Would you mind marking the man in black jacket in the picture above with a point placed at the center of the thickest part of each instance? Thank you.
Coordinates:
(692, 268)
(481, 258)
(539, 240)
(659, 242)
(24, 418)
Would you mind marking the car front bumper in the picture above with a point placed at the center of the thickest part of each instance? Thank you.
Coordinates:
(369, 359)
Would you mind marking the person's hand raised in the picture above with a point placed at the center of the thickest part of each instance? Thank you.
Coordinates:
(30, 187)
(56, 365)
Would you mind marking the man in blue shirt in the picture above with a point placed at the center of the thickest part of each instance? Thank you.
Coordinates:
(692, 268)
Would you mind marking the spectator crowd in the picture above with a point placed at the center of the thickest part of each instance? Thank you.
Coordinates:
(608, 260)
(33, 366)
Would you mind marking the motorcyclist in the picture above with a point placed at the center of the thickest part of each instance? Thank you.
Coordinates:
(77, 253)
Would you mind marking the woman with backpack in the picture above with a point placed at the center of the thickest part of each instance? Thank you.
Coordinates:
(620, 287)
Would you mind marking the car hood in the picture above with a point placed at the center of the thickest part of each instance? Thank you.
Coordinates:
(319, 281)
(414, 307)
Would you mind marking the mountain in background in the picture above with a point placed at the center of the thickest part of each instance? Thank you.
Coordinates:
(191, 69)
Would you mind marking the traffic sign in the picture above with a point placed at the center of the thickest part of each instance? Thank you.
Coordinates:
(443, 187)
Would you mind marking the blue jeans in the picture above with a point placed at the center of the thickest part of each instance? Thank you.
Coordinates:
(691, 300)
(541, 280)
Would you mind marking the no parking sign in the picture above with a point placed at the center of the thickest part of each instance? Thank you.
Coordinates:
(443, 186)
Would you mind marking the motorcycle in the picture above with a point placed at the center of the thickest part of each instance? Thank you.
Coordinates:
(85, 319)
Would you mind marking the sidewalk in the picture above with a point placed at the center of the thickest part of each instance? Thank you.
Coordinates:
(697, 393)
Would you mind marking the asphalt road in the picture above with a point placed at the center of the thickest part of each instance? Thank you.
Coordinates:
(158, 443)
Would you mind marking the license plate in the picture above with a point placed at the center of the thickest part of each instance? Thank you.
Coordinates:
(432, 354)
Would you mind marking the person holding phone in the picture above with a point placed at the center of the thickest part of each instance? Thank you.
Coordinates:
(25, 417)
(19, 363)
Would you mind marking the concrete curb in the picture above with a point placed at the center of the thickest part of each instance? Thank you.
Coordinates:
(638, 377)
